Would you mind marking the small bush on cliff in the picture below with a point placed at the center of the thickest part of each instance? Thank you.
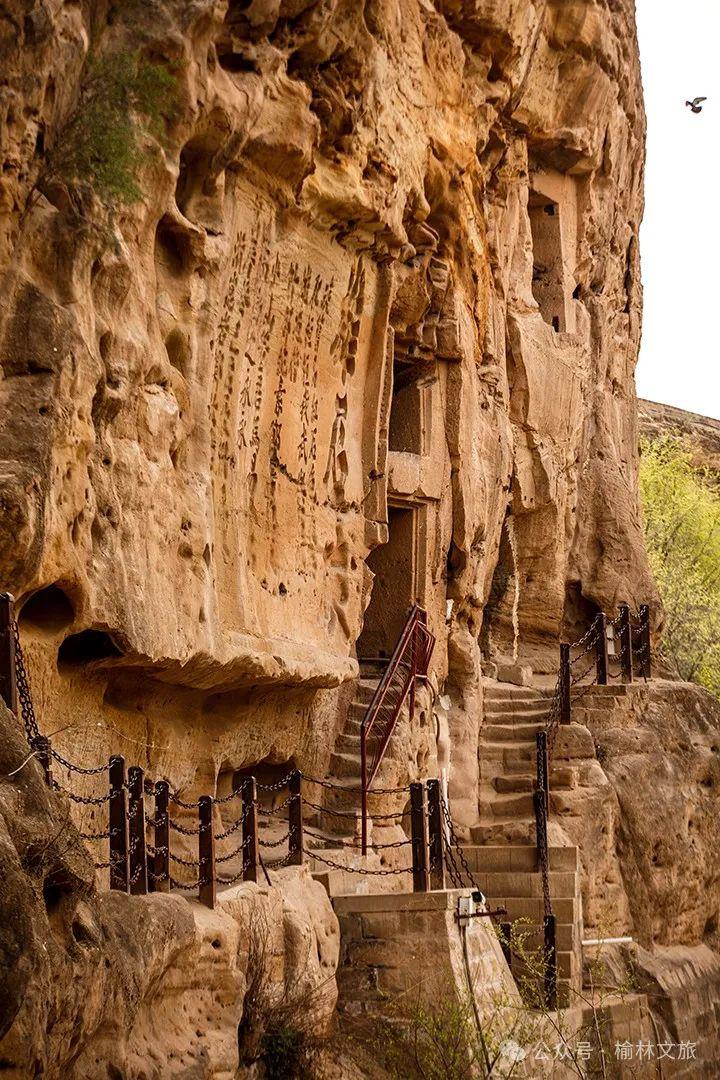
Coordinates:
(681, 514)
(123, 100)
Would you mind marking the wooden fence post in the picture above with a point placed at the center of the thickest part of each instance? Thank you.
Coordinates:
(419, 833)
(250, 830)
(542, 762)
(161, 859)
(206, 852)
(626, 643)
(136, 831)
(601, 650)
(565, 701)
(118, 825)
(550, 962)
(436, 831)
(296, 845)
(8, 678)
(44, 756)
(645, 642)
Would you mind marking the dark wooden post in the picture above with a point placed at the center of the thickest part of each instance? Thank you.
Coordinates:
(136, 831)
(8, 679)
(645, 640)
(626, 643)
(418, 828)
(543, 767)
(601, 650)
(118, 825)
(206, 851)
(505, 935)
(565, 702)
(296, 845)
(44, 756)
(550, 962)
(250, 830)
(161, 859)
(436, 831)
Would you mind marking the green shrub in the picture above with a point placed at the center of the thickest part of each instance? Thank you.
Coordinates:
(681, 513)
(123, 100)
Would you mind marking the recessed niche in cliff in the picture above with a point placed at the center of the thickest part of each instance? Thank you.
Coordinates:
(395, 585)
(48, 610)
(87, 647)
(579, 612)
(266, 772)
(548, 283)
(409, 409)
(172, 248)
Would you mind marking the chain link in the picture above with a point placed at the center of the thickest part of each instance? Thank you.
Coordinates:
(361, 870)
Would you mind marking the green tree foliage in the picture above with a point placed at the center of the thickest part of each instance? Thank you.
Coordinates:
(681, 513)
(123, 100)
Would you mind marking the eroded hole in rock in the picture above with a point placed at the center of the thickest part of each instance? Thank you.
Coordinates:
(267, 773)
(85, 648)
(172, 247)
(48, 610)
(579, 612)
(178, 350)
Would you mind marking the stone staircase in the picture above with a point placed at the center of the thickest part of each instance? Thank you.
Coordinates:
(508, 875)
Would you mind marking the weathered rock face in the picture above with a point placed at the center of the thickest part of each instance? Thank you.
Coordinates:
(701, 433)
(642, 807)
(104, 984)
(377, 312)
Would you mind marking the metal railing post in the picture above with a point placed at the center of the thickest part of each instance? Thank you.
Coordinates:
(645, 643)
(161, 859)
(119, 877)
(364, 787)
(626, 644)
(419, 833)
(565, 701)
(250, 830)
(296, 845)
(136, 831)
(8, 677)
(206, 852)
(436, 831)
(549, 928)
(601, 650)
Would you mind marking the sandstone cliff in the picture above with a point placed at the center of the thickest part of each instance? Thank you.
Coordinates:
(701, 433)
(381, 288)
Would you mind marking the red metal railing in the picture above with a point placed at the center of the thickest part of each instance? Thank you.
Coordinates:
(409, 661)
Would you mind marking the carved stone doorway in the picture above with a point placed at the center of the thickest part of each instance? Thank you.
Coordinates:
(395, 566)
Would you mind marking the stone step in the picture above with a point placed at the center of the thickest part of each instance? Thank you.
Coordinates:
(530, 937)
(531, 908)
(511, 806)
(345, 765)
(348, 741)
(507, 691)
(521, 751)
(511, 733)
(505, 707)
(526, 884)
(518, 857)
(515, 719)
(517, 783)
(518, 831)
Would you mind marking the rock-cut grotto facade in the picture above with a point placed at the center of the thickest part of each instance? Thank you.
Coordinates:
(365, 339)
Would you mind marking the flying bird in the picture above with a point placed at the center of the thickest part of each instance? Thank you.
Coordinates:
(696, 104)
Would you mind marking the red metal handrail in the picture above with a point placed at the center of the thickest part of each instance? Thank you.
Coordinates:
(409, 661)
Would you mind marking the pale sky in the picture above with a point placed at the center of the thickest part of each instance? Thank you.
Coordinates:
(680, 238)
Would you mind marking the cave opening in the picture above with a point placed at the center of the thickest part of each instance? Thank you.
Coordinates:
(86, 647)
(48, 610)
(394, 566)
